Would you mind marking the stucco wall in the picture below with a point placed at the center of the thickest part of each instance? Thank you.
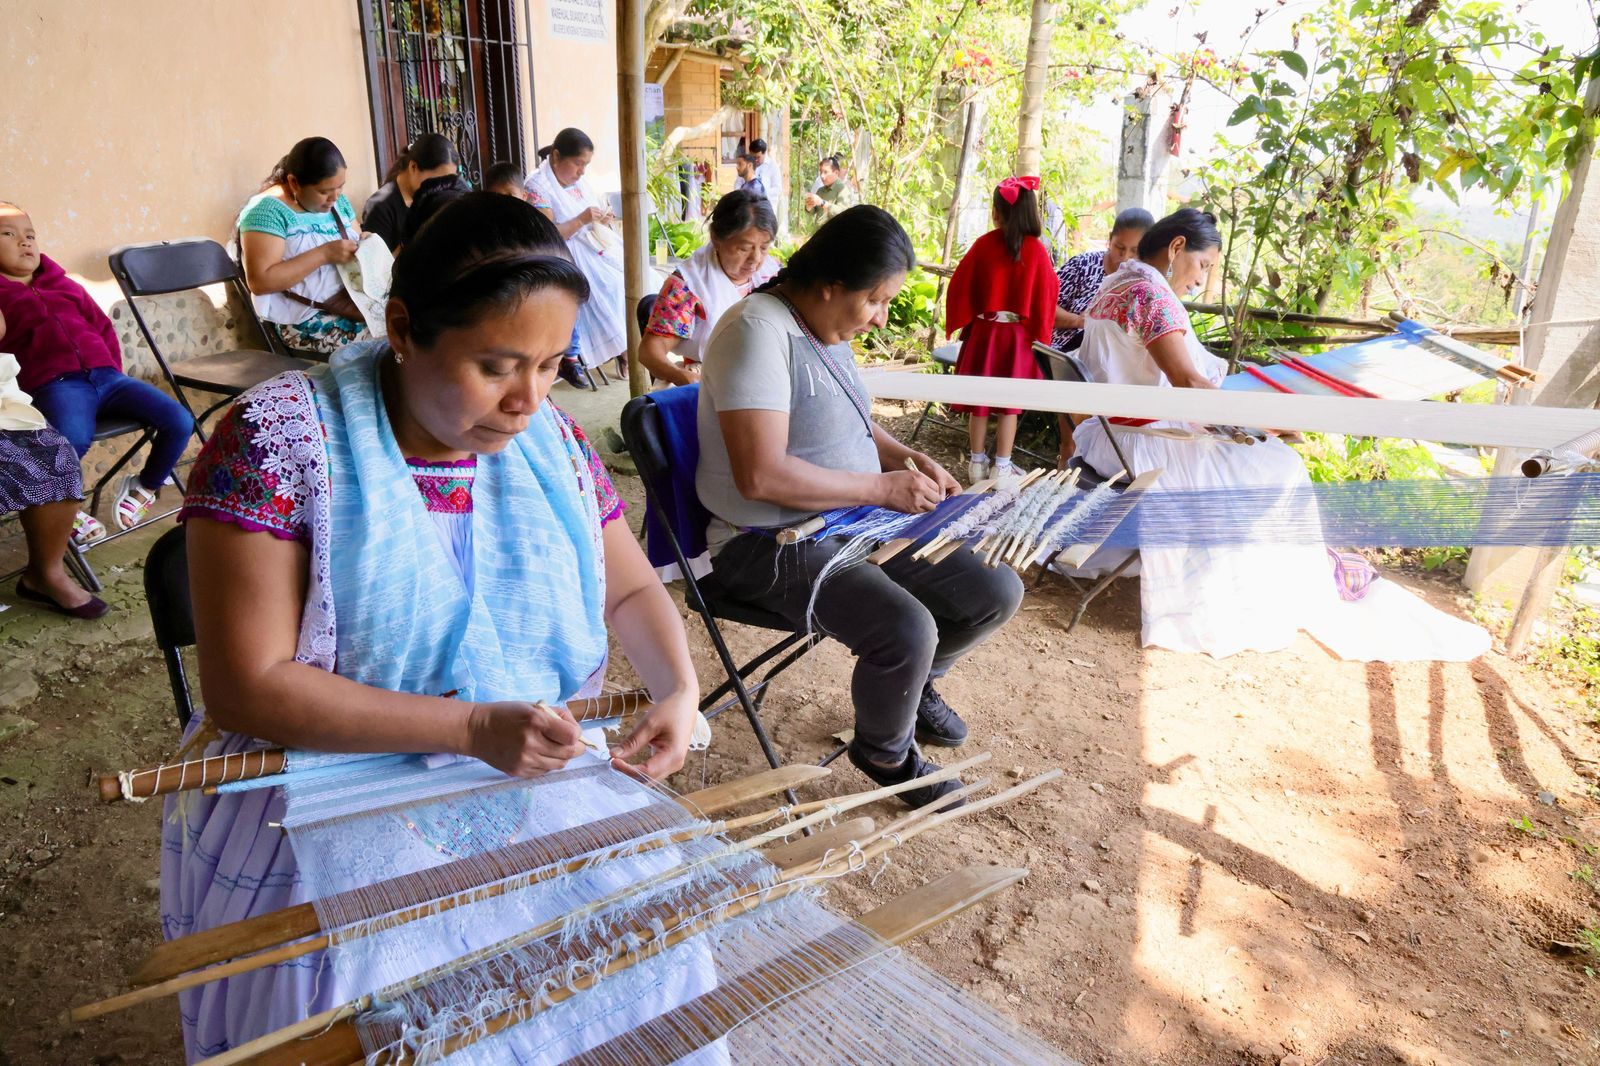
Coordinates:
(575, 84)
(146, 119)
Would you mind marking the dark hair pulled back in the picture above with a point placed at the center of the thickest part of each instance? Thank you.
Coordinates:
(856, 249)
(740, 210)
(311, 160)
(504, 174)
(1018, 221)
(1197, 228)
(479, 253)
(1133, 218)
(569, 142)
(429, 152)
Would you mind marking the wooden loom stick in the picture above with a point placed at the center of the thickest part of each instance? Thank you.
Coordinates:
(323, 1037)
(715, 1014)
(250, 765)
(889, 549)
(1489, 425)
(533, 1003)
(335, 1030)
(293, 932)
(220, 943)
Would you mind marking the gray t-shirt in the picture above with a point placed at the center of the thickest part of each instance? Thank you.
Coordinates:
(758, 359)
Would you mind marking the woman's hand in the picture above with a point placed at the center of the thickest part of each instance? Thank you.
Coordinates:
(909, 491)
(665, 731)
(1068, 319)
(336, 252)
(947, 483)
(522, 740)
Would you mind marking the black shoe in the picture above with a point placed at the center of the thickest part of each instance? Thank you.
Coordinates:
(937, 724)
(914, 766)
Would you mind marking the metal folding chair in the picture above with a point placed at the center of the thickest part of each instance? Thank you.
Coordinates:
(1057, 365)
(166, 589)
(163, 267)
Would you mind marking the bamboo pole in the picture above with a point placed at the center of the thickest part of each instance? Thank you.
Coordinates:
(630, 135)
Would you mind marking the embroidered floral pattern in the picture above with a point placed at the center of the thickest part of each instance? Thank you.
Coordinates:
(608, 504)
(676, 310)
(252, 471)
(446, 487)
(1078, 279)
(1143, 308)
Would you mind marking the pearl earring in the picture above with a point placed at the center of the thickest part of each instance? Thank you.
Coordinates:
(398, 358)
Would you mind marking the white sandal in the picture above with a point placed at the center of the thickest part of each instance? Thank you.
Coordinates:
(86, 529)
(133, 502)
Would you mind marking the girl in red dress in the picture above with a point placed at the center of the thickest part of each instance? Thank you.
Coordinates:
(1002, 298)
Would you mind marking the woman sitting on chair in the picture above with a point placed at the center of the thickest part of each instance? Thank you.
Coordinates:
(786, 431)
(559, 188)
(293, 235)
(1230, 599)
(717, 276)
(41, 478)
(418, 520)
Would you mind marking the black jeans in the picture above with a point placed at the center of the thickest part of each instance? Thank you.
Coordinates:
(907, 622)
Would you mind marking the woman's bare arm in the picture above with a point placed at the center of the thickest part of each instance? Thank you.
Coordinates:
(650, 630)
(655, 352)
(267, 271)
(248, 592)
(1171, 355)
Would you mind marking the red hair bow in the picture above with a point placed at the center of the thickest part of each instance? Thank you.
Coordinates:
(1009, 188)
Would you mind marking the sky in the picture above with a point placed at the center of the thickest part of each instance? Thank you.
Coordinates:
(1226, 21)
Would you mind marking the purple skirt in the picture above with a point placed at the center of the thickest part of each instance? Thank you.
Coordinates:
(37, 466)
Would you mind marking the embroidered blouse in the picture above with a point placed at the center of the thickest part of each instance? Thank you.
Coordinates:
(678, 310)
(1079, 278)
(253, 475)
(1144, 309)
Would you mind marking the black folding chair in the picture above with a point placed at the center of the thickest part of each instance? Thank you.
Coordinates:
(1057, 365)
(166, 589)
(108, 428)
(642, 431)
(175, 266)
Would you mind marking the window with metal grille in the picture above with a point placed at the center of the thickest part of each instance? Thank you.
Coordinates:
(452, 67)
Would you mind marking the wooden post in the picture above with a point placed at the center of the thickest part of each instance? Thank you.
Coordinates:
(1035, 77)
(1563, 345)
(630, 137)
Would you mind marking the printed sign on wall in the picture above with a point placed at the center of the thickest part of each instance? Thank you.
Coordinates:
(578, 20)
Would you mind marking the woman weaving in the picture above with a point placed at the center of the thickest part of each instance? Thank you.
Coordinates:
(415, 521)
(1226, 600)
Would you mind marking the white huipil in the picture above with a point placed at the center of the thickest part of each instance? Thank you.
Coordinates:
(1252, 597)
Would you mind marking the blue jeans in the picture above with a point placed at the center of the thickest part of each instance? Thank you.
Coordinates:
(72, 402)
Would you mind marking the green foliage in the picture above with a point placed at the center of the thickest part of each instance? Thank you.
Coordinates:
(1590, 939)
(1574, 648)
(685, 238)
(1375, 100)
(884, 84)
(912, 310)
(1333, 457)
(1523, 824)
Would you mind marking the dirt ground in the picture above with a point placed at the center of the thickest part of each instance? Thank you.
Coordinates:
(1264, 859)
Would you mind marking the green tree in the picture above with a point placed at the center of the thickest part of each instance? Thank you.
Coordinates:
(1375, 100)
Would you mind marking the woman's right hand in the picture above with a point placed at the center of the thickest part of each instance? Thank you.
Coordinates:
(909, 491)
(522, 740)
(341, 251)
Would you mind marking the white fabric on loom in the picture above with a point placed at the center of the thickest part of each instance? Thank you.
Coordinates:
(602, 319)
(1222, 600)
(340, 853)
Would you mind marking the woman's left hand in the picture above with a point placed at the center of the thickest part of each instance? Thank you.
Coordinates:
(664, 731)
(947, 483)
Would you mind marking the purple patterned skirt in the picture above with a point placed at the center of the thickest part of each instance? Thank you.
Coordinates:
(37, 466)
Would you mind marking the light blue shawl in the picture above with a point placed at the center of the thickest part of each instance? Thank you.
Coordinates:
(533, 627)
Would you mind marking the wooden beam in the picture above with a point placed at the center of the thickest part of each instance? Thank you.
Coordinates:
(1487, 426)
